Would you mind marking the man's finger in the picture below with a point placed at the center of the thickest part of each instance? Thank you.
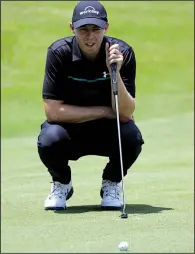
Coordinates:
(115, 60)
(112, 56)
(114, 46)
(114, 51)
(106, 48)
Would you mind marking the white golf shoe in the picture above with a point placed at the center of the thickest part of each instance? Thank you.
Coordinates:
(56, 200)
(111, 195)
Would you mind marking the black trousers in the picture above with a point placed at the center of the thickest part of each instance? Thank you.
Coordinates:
(59, 143)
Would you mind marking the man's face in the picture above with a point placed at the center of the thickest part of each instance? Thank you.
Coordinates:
(89, 39)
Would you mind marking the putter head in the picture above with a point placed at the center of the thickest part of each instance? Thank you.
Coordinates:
(124, 216)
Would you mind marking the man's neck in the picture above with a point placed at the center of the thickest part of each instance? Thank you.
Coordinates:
(90, 58)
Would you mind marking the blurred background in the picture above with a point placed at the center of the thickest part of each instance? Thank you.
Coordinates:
(162, 36)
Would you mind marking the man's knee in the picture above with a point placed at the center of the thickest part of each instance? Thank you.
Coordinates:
(131, 139)
(131, 135)
(52, 135)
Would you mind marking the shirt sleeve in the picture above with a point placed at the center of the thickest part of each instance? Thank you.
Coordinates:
(53, 78)
(128, 71)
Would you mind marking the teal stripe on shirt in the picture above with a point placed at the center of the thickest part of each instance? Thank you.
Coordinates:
(88, 80)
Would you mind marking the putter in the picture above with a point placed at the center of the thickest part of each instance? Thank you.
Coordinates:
(115, 92)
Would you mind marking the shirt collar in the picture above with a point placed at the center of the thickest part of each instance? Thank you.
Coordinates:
(76, 53)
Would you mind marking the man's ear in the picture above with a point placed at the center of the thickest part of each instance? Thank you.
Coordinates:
(71, 27)
(106, 28)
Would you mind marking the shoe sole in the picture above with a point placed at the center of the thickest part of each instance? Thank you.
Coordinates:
(60, 208)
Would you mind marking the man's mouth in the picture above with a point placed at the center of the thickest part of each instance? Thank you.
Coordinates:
(90, 44)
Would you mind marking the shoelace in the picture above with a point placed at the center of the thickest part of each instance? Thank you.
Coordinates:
(58, 190)
(111, 189)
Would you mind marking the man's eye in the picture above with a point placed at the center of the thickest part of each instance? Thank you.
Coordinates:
(86, 29)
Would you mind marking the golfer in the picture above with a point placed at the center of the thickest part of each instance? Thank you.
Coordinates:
(80, 107)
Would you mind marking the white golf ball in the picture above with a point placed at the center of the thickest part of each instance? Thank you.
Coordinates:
(123, 245)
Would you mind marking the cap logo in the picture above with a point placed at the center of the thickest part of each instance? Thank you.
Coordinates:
(89, 9)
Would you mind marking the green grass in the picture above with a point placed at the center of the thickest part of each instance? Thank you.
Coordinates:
(160, 184)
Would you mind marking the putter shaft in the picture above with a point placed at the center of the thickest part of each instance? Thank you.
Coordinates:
(120, 150)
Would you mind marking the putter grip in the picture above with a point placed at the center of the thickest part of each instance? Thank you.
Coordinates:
(113, 67)
(114, 79)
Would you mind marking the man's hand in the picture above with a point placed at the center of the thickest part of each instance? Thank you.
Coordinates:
(113, 55)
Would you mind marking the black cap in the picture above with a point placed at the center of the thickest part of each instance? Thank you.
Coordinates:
(89, 12)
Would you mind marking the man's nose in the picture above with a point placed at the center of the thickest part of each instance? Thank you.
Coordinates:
(89, 32)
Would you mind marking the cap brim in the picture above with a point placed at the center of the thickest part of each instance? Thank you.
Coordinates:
(90, 21)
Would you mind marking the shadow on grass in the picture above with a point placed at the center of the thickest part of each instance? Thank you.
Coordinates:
(130, 209)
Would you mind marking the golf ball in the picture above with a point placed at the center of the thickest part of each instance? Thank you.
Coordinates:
(123, 245)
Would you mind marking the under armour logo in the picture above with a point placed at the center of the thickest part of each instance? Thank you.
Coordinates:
(104, 74)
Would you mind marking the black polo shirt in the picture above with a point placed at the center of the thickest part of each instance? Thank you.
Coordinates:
(75, 80)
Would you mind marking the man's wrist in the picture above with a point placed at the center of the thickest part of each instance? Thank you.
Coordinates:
(117, 73)
(107, 112)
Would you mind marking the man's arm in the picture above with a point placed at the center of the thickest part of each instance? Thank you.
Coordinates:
(55, 108)
(125, 101)
(56, 111)
(126, 71)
